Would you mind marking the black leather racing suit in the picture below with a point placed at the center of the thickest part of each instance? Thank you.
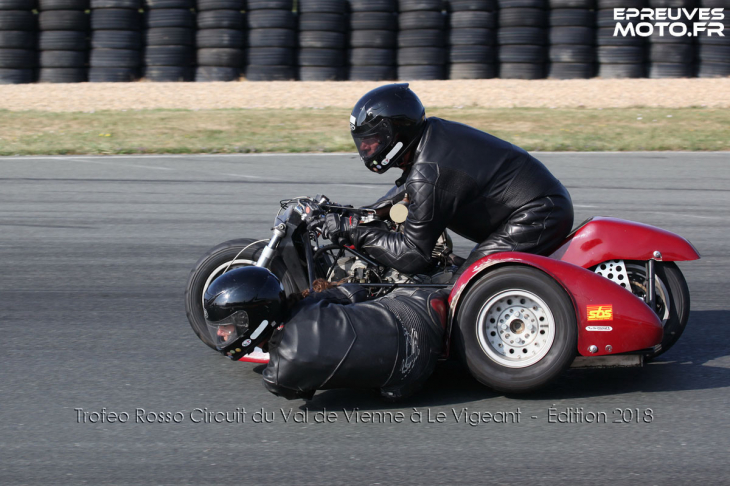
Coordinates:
(478, 186)
(334, 339)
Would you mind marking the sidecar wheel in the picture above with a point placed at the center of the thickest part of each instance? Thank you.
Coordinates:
(218, 260)
(516, 329)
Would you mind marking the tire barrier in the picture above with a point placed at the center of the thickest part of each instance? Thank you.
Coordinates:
(373, 40)
(18, 34)
(64, 41)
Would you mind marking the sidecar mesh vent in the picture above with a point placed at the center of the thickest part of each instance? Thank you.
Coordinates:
(615, 271)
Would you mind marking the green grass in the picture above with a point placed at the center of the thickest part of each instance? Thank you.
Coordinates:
(327, 130)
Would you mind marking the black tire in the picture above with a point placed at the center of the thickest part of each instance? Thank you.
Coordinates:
(17, 39)
(62, 40)
(221, 19)
(423, 72)
(715, 3)
(473, 20)
(566, 17)
(371, 73)
(520, 54)
(270, 73)
(621, 71)
(114, 58)
(322, 21)
(714, 53)
(63, 20)
(373, 21)
(116, 39)
(168, 56)
(322, 39)
(115, 19)
(419, 38)
(620, 54)
(413, 56)
(663, 37)
(62, 59)
(44, 5)
(421, 20)
(472, 71)
(169, 17)
(272, 38)
(170, 36)
(472, 37)
(220, 38)
(17, 58)
(221, 56)
(16, 76)
(367, 56)
(606, 4)
(713, 70)
(522, 35)
(321, 73)
(714, 39)
(671, 53)
(589, 4)
(604, 18)
(131, 4)
(168, 74)
(605, 37)
(203, 5)
(159, 4)
(62, 75)
(384, 39)
(213, 264)
(572, 54)
(573, 35)
(504, 377)
(569, 70)
(542, 4)
(215, 73)
(271, 56)
(671, 3)
(472, 5)
(321, 57)
(112, 74)
(523, 17)
(269, 4)
(521, 70)
(17, 4)
(373, 5)
(321, 6)
(17, 20)
(411, 5)
(271, 19)
(472, 55)
(666, 70)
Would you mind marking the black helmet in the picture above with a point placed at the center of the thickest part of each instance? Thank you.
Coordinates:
(242, 307)
(385, 124)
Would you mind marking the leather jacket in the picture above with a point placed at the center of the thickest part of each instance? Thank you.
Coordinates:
(462, 179)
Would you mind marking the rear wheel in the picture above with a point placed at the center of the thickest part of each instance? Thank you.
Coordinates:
(216, 262)
(516, 329)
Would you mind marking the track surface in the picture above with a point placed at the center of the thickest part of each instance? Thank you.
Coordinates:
(94, 254)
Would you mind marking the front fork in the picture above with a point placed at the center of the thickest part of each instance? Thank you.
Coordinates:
(650, 284)
(270, 250)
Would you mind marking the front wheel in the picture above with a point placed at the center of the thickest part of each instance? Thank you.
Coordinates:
(516, 329)
(218, 260)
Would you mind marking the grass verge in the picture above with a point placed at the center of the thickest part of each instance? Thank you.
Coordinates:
(326, 130)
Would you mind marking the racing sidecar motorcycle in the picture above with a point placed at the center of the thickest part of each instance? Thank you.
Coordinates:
(610, 295)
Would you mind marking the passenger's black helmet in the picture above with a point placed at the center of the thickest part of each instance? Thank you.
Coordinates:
(242, 307)
(385, 124)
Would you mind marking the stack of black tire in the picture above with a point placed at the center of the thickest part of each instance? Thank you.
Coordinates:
(17, 41)
(618, 56)
(116, 40)
(421, 38)
(472, 39)
(713, 51)
(373, 40)
(169, 39)
(272, 50)
(572, 39)
(221, 39)
(322, 42)
(63, 40)
(670, 56)
(522, 38)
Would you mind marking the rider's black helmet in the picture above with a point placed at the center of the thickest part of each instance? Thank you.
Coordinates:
(385, 124)
(242, 307)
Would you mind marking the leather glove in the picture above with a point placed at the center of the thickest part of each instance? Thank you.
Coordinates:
(337, 228)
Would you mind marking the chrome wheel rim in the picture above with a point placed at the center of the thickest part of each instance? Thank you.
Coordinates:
(515, 328)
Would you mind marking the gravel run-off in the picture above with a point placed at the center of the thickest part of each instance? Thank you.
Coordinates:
(487, 93)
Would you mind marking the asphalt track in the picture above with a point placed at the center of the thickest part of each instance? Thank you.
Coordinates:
(94, 254)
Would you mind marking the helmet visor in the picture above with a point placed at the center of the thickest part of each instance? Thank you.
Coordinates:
(369, 145)
(226, 331)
